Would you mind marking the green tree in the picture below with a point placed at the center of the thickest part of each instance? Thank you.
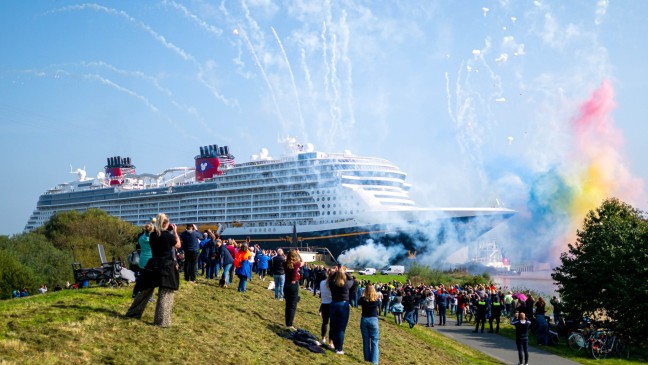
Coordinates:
(14, 275)
(604, 274)
(83, 231)
(48, 264)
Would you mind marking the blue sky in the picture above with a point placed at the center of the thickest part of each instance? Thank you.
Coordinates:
(457, 93)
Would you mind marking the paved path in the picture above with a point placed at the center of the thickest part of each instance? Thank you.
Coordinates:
(496, 346)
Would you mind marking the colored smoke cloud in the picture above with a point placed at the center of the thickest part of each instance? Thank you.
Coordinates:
(552, 202)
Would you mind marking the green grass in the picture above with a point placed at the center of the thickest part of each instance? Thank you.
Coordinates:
(379, 278)
(210, 326)
(583, 356)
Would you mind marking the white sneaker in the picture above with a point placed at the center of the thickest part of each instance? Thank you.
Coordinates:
(339, 352)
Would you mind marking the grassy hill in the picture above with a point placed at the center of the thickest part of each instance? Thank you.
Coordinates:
(210, 326)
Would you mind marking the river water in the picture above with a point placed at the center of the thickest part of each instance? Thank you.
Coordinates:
(539, 281)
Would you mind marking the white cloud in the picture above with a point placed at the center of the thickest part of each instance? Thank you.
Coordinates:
(503, 57)
(601, 10)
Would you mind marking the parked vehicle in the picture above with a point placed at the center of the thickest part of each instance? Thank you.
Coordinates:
(393, 270)
(367, 271)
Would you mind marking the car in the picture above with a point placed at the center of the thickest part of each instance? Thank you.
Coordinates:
(367, 271)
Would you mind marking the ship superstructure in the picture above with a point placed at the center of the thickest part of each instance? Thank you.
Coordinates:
(336, 200)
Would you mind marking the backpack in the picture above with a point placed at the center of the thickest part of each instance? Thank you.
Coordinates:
(133, 260)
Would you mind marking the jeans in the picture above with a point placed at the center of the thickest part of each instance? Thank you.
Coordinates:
(415, 315)
(460, 314)
(442, 315)
(242, 283)
(353, 297)
(409, 318)
(370, 333)
(279, 286)
(384, 307)
(339, 321)
(226, 274)
(429, 313)
(291, 296)
(190, 265)
(211, 269)
(523, 348)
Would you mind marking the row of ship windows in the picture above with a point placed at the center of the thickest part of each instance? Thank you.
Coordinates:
(302, 168)
(194, 205)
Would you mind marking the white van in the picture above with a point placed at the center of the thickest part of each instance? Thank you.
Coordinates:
(393, 270)
(367, 271)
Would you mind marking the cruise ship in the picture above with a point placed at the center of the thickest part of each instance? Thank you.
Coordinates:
(306, 198)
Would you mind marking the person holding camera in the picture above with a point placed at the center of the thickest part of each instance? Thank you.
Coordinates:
(522, 336)
(191, 246)
(161, 271)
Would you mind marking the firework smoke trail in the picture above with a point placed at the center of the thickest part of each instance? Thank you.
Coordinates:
(96, 7)
(203, 24)
(349, 80)
(307, 74)
(294, 85)
(326, 130)
(265, 77)
(159, 38)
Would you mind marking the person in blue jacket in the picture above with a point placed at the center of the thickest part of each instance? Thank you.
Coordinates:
(262, 264)
(226, 262)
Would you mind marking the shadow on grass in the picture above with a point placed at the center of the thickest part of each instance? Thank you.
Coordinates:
(109, 294)
(89, 309)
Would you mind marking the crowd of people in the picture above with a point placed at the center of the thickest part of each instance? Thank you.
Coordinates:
(164, 254)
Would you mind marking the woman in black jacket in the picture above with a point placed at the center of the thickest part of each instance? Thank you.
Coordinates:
(340, 284)
(161, 272)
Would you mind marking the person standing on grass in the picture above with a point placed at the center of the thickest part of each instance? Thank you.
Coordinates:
(410, 307)
(208, 254)
(191, 246)
(370, 305)
(145, 253)
(262, 264)
(397, 307)
(279, 274)
(387, 294)
(341, 284)
(522, 336)
(291, 287)
(226, 261)
(325, 307)
(243, 267)
(161, 271)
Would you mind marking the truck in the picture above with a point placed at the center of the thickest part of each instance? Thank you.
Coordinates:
(393, 270)
(367, 271)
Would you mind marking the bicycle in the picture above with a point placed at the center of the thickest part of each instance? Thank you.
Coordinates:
(607, 344)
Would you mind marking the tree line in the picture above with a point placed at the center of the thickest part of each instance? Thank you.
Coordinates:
(45, 255)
